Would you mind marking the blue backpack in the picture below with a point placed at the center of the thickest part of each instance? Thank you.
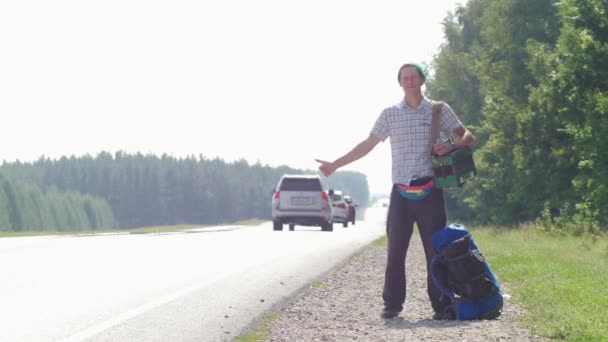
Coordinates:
(471, 284)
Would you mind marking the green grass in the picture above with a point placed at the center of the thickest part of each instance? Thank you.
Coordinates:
(381, 241)
(319, 284)
(250, 222)
(139, 230)
(562, 282)
(261, 333)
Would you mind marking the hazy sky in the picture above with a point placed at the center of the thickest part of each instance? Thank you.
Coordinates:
(280, 82)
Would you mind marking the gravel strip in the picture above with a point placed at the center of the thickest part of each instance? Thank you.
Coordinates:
(345, 305)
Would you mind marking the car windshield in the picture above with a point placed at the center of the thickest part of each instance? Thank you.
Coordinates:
(336, 197)
(300, 184)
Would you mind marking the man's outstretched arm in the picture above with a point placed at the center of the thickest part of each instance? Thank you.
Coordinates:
(358, 152)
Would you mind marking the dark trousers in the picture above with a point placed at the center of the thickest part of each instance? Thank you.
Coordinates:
(429, 215)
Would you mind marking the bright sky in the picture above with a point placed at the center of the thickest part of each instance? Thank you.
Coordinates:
(280, 82)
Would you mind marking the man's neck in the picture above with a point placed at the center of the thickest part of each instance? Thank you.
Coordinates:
(413, 100)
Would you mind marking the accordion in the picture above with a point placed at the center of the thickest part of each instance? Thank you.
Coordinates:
(454, 169)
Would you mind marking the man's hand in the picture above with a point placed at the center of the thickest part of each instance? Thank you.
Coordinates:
(441, 149)
(327, 168)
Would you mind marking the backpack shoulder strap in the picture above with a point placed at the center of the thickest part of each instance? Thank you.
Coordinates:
(445, 291)
(437, 106)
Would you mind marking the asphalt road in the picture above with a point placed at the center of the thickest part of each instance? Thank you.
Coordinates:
(203, 285)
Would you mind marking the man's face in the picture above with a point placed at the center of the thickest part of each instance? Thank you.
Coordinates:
(410, 78)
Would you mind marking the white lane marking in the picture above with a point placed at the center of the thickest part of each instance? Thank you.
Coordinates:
(96, 329)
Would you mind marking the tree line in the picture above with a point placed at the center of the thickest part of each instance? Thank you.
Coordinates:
(530, 78)
(146, 190)
(27, 206)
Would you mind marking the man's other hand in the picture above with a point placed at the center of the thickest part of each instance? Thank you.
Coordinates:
(441, 149)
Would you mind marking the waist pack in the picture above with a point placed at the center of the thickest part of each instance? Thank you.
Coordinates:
(416, 192)
(471, 284)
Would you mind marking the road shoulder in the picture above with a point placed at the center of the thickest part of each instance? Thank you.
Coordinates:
(345, 305)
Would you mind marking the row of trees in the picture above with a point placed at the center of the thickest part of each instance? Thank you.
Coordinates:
(531, 80)
(27, 206)
(145, 190)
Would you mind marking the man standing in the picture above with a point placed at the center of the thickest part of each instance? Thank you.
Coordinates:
(414, 198)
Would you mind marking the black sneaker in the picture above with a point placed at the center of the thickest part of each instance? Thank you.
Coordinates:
(389, 313)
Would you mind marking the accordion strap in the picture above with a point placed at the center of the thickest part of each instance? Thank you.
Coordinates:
(436, 106)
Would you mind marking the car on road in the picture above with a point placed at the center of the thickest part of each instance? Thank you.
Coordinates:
(302, 200)
(340, 206)
(352, 209)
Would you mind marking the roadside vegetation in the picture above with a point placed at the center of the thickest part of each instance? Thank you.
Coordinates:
(559, 279)
(140, 230)
(319, 284)
(529, 79)
(261, 333)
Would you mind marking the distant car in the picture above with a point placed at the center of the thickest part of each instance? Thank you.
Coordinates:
(301, 200)
(340, 206)
(352, 209)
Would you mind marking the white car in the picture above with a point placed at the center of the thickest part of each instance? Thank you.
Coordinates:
(340, 208)
(301, 200)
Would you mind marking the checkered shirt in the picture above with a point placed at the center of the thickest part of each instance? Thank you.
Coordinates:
(410, 133)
